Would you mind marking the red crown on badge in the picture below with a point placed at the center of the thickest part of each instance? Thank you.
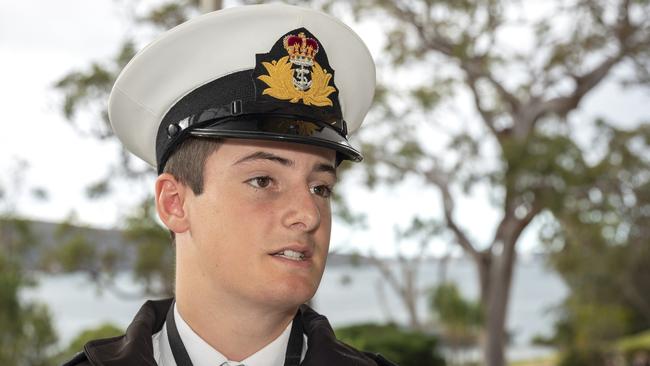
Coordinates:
(301, 49)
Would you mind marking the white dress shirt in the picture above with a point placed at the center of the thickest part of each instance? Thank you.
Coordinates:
(202, 354)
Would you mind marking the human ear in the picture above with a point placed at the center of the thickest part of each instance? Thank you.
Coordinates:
(170, 199)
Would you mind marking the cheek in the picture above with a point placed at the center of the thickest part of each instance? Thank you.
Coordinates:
(325, 229)
(233, 219)
(326, 219)
(326, 214)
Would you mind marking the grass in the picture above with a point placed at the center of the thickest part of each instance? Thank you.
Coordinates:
(541, 361)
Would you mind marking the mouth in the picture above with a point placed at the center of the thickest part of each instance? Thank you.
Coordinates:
(291, 255)
(294, 252)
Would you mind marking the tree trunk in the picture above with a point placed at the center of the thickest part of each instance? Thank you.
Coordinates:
(411, 294)
(411, 306)
(495, 276)
(406, 289)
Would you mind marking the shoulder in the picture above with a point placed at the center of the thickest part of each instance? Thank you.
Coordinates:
(132, 348)
(325, 349)
(362, 357)
(79, 359)
(379, 359)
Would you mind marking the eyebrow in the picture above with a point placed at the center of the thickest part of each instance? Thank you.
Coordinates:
(263, 155)
(326, 168)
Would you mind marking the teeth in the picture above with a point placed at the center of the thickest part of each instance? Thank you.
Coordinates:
(290, 254)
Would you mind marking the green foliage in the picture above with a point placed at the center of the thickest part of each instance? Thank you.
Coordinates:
(87, 90)
(154, 260)
(633, 345)
(599, 245)
(17, 236)
(583, 357)
(167, 15)
(97, 190)
(521, 98)
(84, 85)
(39, 193)
(76, 253)
(34, 344)
(147, 252)
(26, 332)
(405, 348)
(460, 319)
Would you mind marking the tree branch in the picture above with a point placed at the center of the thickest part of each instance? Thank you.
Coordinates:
(386, 273)
(487, 116)
(523, 223)
(510, 98)
(623, 31)
(440, 180)
(584, 84)
(473, 66)
(436, 43)
(475, 69)
(510, 228)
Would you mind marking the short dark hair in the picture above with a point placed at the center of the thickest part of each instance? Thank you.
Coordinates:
(186, 164)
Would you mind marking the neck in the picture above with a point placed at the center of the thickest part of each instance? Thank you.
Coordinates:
(234, 327)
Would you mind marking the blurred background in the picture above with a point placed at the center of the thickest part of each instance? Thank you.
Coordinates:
(501, 214)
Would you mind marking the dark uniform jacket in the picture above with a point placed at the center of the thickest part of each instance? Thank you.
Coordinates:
(136, 348)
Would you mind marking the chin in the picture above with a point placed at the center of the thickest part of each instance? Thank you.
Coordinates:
(293, 293)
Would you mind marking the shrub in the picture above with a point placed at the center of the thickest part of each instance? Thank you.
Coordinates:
(403, 347)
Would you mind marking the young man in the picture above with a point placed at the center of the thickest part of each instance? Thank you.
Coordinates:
(243, 116)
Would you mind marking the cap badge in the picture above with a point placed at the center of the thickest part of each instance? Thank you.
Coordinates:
(298, 76)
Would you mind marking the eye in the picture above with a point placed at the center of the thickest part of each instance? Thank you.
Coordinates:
(322, 190)
(260, 182)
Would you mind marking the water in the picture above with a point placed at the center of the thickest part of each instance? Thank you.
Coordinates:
(76, 304)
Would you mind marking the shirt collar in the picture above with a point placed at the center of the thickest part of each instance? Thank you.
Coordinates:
(202, 354)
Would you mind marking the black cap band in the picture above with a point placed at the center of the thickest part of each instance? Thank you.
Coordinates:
(290, 95)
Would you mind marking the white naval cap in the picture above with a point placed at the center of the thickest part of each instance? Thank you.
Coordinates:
(270, 71)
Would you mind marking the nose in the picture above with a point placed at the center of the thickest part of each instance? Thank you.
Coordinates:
(301, 210)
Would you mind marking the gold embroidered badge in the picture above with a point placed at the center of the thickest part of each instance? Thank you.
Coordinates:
(298, 76)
